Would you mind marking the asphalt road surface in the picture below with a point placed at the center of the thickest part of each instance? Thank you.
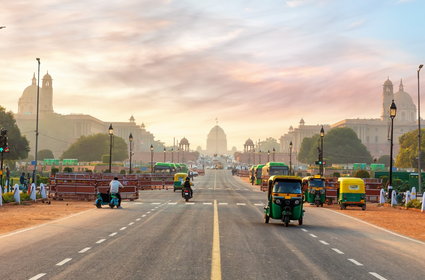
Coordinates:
(219, 234)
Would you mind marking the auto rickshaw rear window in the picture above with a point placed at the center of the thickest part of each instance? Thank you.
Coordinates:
(317, 183)
(287, 187)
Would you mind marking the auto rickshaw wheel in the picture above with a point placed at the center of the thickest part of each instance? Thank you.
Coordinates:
(300, 221)
(111, 205)
(99, 204)
(286, 221)
(364, 207)
(174, 190)
(266, 218)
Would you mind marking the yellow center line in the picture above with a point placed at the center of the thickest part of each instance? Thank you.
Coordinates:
(216, 261)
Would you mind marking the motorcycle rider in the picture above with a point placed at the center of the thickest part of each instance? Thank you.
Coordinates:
(187, 186)
(115, 187)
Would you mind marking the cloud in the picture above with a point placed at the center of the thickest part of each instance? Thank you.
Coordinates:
(176, 66)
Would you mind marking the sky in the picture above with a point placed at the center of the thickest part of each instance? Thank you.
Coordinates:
(257, 67)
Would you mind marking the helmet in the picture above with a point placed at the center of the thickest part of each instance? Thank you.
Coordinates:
(187, 179)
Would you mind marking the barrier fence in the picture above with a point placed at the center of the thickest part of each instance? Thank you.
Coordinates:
(86, 185)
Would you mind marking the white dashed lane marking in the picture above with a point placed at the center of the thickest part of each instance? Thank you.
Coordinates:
(84, 250)
(63, 262)
(241, 204)
(338, 251)
(324, 242)
(303, 229)
(377, 276)
(138, 219)
(143, 216)
(100, 241)
(38, 276)
(355, 262)
(130, 224)
(312, 235)
(207, 203)
(123, 228)
(223, 203)
(113, 234)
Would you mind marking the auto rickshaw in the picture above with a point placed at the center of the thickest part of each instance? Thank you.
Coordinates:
(285, 201)
(314, 190)
(351, 192)
(179, 180)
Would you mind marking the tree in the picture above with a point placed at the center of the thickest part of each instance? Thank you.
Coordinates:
(18, 144)
(340, 145)
(93, 147)
(385, 159)
(42, 154)
(362, 174)
(408, 155)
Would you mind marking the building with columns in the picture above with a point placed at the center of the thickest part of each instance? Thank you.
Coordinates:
(57, 132)
(373, 133)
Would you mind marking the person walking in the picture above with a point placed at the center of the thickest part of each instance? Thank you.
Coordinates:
(115, 187)
(22, 180)
(7, 179)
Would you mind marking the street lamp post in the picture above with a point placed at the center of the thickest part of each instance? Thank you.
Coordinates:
(130, 140)
(111, 134)
(259, 157)
(393, 112)
(322, 135)
(178, 155)
(419, 135)
(274, 154)
(268, 155)
(151, 158)
(290, 158)
(164, 153)
(36, 123)
(172, 155)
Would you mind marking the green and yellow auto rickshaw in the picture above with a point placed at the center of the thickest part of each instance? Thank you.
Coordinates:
(179, 179)
(351, 192)
(285, 201)
(257, 174)
(314, 190)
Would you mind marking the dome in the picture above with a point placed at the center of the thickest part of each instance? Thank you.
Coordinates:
(249, 142)
(47, 76)
(29, 94)
(216, 130)
(184, 141)
(388, 82)
(302, 122)
(403, 100)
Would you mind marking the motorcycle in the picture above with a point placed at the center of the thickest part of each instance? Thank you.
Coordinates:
(186, 194)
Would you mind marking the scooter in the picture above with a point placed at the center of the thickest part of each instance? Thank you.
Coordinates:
(106, 199)
(114, 201)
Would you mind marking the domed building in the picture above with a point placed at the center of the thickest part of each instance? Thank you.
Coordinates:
(216, 141)
(406, 109)
(27, 103)
(372, 132)
(57, 132)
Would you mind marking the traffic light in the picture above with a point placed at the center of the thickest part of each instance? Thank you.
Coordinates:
(4, 147)
(319, 162)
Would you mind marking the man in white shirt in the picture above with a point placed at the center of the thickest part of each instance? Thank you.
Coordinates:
(115, 187)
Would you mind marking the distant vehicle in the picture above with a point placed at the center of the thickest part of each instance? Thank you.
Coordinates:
(351, 192)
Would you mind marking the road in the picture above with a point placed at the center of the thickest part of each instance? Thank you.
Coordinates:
(220, 234)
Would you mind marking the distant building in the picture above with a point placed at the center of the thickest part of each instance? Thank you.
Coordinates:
(57, 132)
(216, 141)
(373, 133)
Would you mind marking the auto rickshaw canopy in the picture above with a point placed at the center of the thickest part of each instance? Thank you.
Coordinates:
(351, 185)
